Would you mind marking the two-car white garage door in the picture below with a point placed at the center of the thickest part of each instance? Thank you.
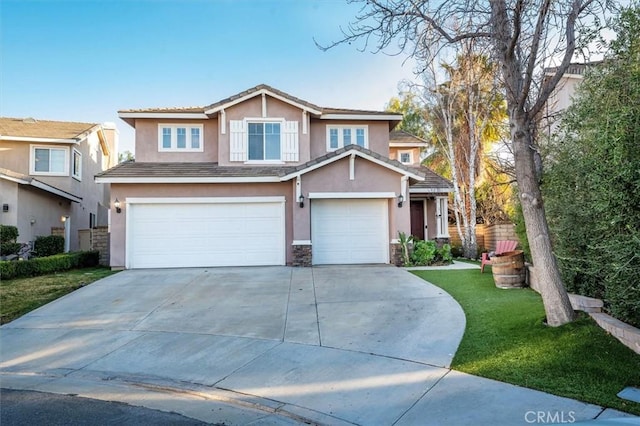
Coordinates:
(201, 232)
(163, 233)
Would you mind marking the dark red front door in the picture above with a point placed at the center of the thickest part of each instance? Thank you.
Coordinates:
(417, 219)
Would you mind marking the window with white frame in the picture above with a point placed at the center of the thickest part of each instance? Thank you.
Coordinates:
(263, 141)
(51, 161)
(180, 138)
(405, 157)
(76, 164)
(340, 136)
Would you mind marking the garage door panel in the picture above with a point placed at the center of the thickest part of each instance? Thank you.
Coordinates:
(349, 231)
(206, 234)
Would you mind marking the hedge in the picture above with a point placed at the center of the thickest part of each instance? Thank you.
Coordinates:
(49, 245)
(46, 265)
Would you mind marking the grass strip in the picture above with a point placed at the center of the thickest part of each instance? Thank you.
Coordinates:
(506, 340)
(22, 295)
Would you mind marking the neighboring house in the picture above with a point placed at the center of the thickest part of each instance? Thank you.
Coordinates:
(264, 178)
(562, 97)
(46, 174)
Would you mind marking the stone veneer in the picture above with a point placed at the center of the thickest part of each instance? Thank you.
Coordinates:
(100, 242)
(301, 255)
(395, 253)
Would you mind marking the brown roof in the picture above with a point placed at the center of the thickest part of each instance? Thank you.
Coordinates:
(202, 109)
(432, 180)
(400, 136)
(133, 169)
(29, 127)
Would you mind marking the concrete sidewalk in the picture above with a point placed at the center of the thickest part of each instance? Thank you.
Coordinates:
(328, 345)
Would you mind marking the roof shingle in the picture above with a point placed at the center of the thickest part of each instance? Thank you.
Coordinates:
(31, 128)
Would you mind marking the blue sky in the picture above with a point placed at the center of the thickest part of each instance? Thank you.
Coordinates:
(83, 60)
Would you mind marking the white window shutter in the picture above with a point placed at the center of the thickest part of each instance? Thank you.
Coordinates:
(290, 151)
(237, 141)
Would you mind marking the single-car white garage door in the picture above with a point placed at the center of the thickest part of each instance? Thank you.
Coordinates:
(170, 233)
(349, 231)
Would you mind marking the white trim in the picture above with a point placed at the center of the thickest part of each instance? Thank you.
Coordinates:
(352, 167)
(301, 243)
(346, 154)
(394, 241)
(442, 222)
(403, 188)
(223, 122)
(243, 179)
(304, 121)
(364, 116)
(32, 160)
(260, 92)
(204, 200)
(264, 106)
(341, 128)
(77, 176)
(408, 144)
(41, 140)
(264, 162)
(343, 195)
(174, 137)
(429, 190)
(167, 115)
(298, 188)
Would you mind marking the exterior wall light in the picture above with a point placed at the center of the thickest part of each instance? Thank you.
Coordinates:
(64, 219)
(116, 204)
(301, 201)
(400, 200)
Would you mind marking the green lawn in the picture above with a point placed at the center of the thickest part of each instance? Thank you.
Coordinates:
(506, 340)
(22, 295)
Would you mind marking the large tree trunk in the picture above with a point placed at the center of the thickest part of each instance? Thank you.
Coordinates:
(554, 296)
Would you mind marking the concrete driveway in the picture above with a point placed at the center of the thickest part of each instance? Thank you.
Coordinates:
(331, 345)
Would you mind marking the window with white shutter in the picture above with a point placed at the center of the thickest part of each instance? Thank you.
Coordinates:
(263, 140)
(237, 140)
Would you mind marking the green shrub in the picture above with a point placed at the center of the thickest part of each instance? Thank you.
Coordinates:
(46, 265)
(9, 248)
(49, 245)
(8, 234)
(444, 254)
(456, 250)
(424, 252)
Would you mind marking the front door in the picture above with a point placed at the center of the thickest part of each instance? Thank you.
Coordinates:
(417, 219)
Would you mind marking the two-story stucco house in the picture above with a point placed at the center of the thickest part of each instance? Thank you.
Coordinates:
(46, 174)
(265, 178)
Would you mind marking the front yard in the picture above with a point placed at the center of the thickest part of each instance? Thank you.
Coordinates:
(506, 340)
(22, 295)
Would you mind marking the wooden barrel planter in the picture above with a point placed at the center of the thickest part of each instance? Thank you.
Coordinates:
(508, 269)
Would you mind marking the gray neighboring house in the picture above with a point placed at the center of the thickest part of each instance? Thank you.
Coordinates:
(46, 174)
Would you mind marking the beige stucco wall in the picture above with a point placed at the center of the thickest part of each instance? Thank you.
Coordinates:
(122, 192)
(394, 154)
(369, 177)
(9, 195)
(378, 135)
(252, 108)
(16, 156)
(146, 145)
(46, 211)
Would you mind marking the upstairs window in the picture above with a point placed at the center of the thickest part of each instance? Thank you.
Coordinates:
(49, 161)
(76, 165)
(341, 136)
(405, 157)
(264, 141)
(180, 138)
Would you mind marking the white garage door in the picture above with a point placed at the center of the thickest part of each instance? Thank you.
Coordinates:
(349, 231)
(197, 234)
